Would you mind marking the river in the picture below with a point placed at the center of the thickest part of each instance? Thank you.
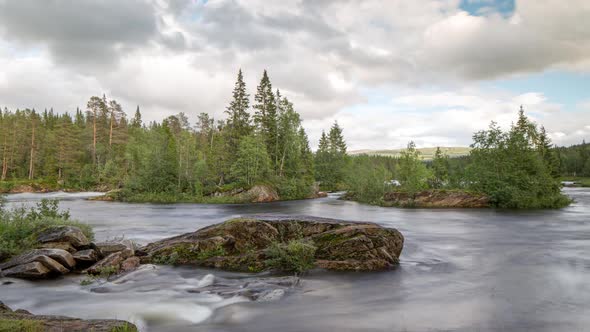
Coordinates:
(461, 270)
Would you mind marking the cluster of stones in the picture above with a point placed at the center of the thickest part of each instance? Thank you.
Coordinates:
(65, 249)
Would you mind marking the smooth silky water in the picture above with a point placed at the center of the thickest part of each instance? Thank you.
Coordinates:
(461, 270)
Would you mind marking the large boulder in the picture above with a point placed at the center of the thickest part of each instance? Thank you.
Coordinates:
(39, 263)
(70, 234)
(59, 323)
(242, 244)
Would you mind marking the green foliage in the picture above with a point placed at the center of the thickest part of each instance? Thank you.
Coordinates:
(20, 325)
(509, 167)
(295, 256)
(99, 149)
(367, 179)
(20, 226)
(294, 188)
(440, 170)
(331, 159)
(412, 172)
(126, 327)
(253, 163)
(86, 281)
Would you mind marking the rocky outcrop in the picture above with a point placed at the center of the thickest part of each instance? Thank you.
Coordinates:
(243, 244)
(260, 194)
(65, 249)
(39, 263)
(22, 320)
(436, 199)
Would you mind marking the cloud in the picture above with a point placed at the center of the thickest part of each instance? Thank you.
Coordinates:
(82, 32)
(329, 57)
(449, 118)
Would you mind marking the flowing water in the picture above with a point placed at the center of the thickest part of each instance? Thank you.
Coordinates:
(461, 270)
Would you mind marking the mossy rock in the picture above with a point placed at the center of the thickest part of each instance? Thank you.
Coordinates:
(243, 244)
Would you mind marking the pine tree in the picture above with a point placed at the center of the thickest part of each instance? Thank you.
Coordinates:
(238, 120)
(265, 116)
(136, 122)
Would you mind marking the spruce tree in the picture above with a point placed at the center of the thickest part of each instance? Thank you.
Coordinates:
(136, 122)
(238, 120)
(265, 116)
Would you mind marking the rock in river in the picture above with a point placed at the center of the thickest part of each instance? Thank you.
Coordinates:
(22, 320)
(39, 263)
(242, 244)
(70, 234)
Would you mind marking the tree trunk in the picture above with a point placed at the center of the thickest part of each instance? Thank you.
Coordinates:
(32, 160)
(5, 157)
(94, 137)
(111, 130)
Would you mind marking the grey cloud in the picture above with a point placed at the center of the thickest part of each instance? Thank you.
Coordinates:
(81, 31)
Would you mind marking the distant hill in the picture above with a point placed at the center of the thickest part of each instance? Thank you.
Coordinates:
(427, 153)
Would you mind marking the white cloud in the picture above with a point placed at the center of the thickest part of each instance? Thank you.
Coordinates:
(327, 56)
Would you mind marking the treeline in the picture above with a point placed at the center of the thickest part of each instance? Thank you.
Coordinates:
(574, 160)
(518, 168)
(100, 147)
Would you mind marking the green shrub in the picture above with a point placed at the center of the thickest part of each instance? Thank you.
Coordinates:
(295, 256)
(19, 227)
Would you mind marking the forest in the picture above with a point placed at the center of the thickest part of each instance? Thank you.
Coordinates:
(517, 168)
(99, 148)
(262, 142)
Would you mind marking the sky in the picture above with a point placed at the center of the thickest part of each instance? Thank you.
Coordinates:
(389, 71)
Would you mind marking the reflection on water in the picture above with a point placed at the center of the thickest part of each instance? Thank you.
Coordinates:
(461, 270)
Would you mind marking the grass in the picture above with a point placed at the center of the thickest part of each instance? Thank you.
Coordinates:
(20, 325)
(19, 227)
(295, 256)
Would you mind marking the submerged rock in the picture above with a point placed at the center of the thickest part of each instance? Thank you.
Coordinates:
(242, 244)
(32, 322)
(255, 289)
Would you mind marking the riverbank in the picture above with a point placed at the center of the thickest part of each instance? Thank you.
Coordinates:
(575, 181)
(430, 199)
(262, 193)
(255, 194)
(43, 186)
